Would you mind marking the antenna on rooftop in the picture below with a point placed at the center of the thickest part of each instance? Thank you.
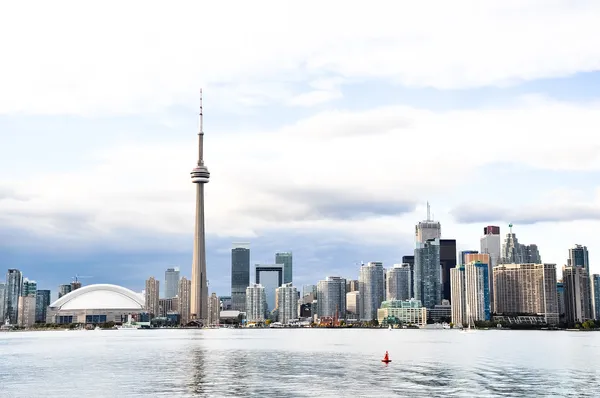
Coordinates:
(428, 211)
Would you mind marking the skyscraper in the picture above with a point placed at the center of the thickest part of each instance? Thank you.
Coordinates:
(171, 282)
(477, 293)
(26, 316)
(256, 303)
(579, 257)
(578, 300)
(185, 302)
(270, 277)
(29, 288)
(287, 303)
(214, 309)
(514, 252)
(14, 285)
(490, 244)
(459, 302)
(371, 288)
(64, 289)
(152, 296)
(595, 287)
(200, 176)
(2, 302)
(462, 256)
(285, 258)
(331, 297)
(240, 276)
(398, 282)
(428, 273)
(428, 229)
(42, 301)
(410, 260)
(447, 261)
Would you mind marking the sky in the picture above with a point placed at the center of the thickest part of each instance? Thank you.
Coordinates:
(328, 126)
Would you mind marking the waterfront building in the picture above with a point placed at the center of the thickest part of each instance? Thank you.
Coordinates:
(256, 303)
(578, 300)
(214, 309)
(184, 300)
(240, 275)
(560, 297)
(428, 278)
(440, 312)
(526, 289)
(270, 277)
(579, 257)
(14, 286)
(96, 304)
(372, 291)
(172, 276)
(199, 293)
(26, 317)
(410, 260)
(398, 282)
(331, 297)
(448, 262)
(285, 259)
(459, 301)
(353, 304)
(167, 306)
(64, 289)
(403, 311)
(2, 302)
(490, 244)
(287, 303)
(595, 293)
(152, 296)
(428, 229)
(29, 288)
(477, 292)
(42, 301)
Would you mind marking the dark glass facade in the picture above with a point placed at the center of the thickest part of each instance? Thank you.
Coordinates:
(448, 261)
(42, 301)
(240, 277)
(286, 260)
(410, 260)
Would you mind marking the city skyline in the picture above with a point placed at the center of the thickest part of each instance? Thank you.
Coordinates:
(103, 191)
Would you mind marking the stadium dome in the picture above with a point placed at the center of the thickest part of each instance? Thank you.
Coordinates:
(100, 296)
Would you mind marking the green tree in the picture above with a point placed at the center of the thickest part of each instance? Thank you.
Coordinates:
(589, 324)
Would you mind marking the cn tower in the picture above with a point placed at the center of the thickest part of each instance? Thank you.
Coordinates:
(200, 176)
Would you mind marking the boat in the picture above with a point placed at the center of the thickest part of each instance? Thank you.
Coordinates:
(470, 320)
(386, 358)
(389, 327)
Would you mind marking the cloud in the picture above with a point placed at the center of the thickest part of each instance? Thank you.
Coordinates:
(77, 66)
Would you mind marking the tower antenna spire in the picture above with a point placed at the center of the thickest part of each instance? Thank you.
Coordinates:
(200, 135)
(428, 211)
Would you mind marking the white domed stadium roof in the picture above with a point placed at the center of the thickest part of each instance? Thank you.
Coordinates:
(100, 296)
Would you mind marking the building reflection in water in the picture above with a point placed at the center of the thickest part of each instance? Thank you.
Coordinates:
(199, 379)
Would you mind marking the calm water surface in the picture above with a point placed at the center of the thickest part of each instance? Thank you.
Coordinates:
(299, 363)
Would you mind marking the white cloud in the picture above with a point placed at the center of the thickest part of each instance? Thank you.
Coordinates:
(70, 57)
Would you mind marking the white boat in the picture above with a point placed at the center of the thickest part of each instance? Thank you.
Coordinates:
(470, 320)
(389, 327)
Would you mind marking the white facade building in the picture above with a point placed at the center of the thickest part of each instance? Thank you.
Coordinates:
(370, 285)
(331, 297)
(457, 296)
(398, 282)
(287, 300)
(256, 303)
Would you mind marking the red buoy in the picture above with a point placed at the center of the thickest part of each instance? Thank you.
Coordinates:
(386, 358)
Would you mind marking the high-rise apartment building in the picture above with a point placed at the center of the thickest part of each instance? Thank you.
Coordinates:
(14, 286)
(2, 302)
(477, 293)
(353, 304)
(214, 309)
(256, 303)
(152, 296)
(240, 276)
(29, 288)
(490, 244)
(270, 277)
(410, 260)
(184, 302)
(64, 289)
(578, 300)
(167, 306)
(428, 273)
(285, 258)
(526, 289)
(579, 257)
(462, 256)
(26, 316)
(331, 297)
(560, 296)
(459, 301)
(372, 291)
(171, 282)
(447, 261)
(42, 301)
(398, 282)
(595, 293)
(351, 285)
(287, 303)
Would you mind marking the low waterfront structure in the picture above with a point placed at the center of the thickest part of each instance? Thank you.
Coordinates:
(403, 311)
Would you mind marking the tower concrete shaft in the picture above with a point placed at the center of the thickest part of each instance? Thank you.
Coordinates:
(199, 293)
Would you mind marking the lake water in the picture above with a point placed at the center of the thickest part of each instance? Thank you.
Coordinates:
(299, 363)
